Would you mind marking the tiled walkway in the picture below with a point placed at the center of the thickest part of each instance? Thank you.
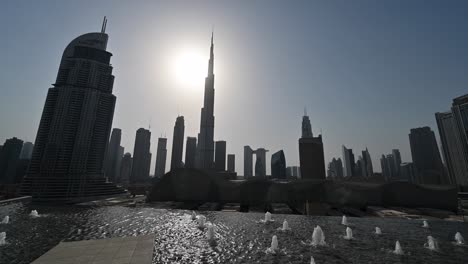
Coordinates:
(125, 250)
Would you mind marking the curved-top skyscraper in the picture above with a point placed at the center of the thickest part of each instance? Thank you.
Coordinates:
(68, 157)
(205, 147)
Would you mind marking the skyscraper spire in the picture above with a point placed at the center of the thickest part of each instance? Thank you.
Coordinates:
(211, 61)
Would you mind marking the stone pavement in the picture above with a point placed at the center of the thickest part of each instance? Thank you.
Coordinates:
(123, 250)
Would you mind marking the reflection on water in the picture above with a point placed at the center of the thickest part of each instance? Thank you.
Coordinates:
(239, 236)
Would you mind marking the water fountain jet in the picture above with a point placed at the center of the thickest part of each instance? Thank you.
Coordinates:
(274, 245)
(425, 224)
(344, 220)
(34, 213)
(349, 234)
(318, 237)
(378, 231)
(312, 260)
(459, 239)
(210, 234)
(194, 215)
(5, 220)
(201, 221)
(2, 238)
(398, 250)
(431, 243)
(285, 226)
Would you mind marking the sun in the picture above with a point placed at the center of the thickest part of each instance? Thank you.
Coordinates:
(190, 69)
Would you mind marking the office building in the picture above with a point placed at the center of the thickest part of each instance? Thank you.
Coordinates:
(112, 157)
(231, 166)
(9, 160)
(348, 162)
(26, 151)
(248, 156)
(278, 165)
(141, 157)
(161, 154)
(178, 143)
(311, 156)
(220, 156)
(190, 152)
(126, 169)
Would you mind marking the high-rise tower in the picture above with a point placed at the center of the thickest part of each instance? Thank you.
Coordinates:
(311, 156)
(205, 147)
(161, 155)
(178, 143)
(68, 157)
(141, 157)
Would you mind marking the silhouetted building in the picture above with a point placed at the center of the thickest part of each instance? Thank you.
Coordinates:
(367, 169)
(396, 162)
(260, 163)
(453, 127)
(359, 169)
(190, 152)
(348, 162)
(278, 165)
(460, 114)
(335, 169)
(161, 154)
(26, 151)
(141, 157)
(126, 168)
(118, 164)
(9, 160)
(426, 157)
(220, 155)
(68, 158)
(293, 171)
(406, 172)
(231, 160)
(178, 143)
(248, 156)
(311, 157)
(112, 157)
(205, 147)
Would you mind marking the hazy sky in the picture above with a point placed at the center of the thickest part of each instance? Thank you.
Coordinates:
(367, 71)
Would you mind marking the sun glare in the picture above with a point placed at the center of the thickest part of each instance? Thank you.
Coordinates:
(190, 69)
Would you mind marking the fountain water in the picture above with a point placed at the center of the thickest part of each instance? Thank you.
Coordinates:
(194, 215)
(344, 220)
(2, 238)
(318, 237)
(312, 260)
(267, 218)
(425, 224)
(459, 239)
(34, 213)
(78, 231)
(274, 245)
(378, 231)
(349, 233)
(431, 243)
(201, 221)
(210, 234)
(285, 226)
(398, 250)
(5, 220)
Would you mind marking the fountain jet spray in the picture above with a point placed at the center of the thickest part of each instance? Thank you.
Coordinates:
(425, 224)
(398, 250)
(459, 239)
(5, 220)
(201, 221)
(34, 213)
(312, 260)
(344, 220)
(194, 215)
(2, 238)
(431, 243)
(318, 237)
(378, 231)
(349, 233)
(210, 234)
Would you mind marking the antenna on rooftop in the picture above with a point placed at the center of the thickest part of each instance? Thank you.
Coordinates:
(104, 25)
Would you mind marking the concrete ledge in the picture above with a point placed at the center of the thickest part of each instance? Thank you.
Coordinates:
(122, 250)
(22, 199)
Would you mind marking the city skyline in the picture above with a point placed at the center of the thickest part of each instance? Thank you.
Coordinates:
(244, 91)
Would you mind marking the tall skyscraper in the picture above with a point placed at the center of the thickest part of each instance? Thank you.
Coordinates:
(335, 168)
(141, 157)
(453, 129)
(220, 155)
(231, 167)
(348, 161)
(368, 170)
(311, 156)
(396, 162)
(68, 156)
(426, 157)
(112, 156)
(248, 155)
(26, 151)
(205, 147)
(126, 168)
(118, 164)
(190, 152)
(406, 172)
(278, 165)
(178, 143)
(9, 160)
(260, 163)
(161, 155)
